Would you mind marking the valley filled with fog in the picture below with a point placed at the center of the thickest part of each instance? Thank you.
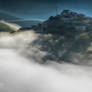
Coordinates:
(22, 68)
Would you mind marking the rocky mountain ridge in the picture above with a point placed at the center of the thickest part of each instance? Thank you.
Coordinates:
(67, 20)
(65, 37)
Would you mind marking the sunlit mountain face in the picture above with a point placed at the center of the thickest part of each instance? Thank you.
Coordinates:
(45, 46)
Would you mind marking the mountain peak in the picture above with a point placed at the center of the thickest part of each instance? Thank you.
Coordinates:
(71, 14)
(67, 20)
(66, 11)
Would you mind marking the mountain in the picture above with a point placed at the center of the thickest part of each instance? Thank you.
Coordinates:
(20, 21)
(26, 23)
(8, 27)
(67, 20)
(6, 17)
(65, 37)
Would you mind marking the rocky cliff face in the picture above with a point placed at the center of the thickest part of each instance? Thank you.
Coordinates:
(66, 37)
(66, 21)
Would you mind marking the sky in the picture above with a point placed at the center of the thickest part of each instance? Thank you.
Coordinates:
(42, 9)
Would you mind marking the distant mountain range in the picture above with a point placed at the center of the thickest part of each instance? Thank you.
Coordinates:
(26, 23)
(5, 17)
(22, 22)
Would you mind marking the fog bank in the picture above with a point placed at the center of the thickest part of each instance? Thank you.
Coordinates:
(21, 74)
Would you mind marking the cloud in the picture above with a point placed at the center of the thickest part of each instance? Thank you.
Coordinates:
(17, 74)
(21, 74)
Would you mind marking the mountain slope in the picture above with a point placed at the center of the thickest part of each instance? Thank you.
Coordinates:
(22, 22)
(67, 20)
(27, 23)
(66, 37)
(6, 17)
(8, 27)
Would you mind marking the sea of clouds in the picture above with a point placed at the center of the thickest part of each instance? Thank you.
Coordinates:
(18, 73)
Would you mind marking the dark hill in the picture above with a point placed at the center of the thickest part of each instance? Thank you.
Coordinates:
(66, 21)
(7, 17)
(22, 22)
(66, 37)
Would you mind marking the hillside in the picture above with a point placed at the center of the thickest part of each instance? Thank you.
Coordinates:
(67, 20)
(8, 27)
(6, 17)
(66, 37)
(19, 21)
(26, 23)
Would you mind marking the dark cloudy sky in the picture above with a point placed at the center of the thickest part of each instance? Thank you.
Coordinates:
(42, 9)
